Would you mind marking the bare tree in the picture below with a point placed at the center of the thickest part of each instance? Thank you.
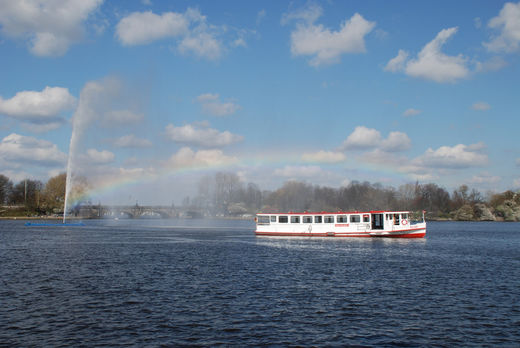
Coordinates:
(6, 186)
(28, 193)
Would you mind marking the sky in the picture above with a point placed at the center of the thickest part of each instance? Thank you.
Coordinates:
(143, 98)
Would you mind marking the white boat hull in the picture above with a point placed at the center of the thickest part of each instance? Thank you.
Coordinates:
(375, 224)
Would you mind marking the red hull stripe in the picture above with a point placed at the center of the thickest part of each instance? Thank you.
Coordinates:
(417, 234)
(406, 230)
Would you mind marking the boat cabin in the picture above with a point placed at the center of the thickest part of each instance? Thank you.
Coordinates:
(374, 220)
(340, 224)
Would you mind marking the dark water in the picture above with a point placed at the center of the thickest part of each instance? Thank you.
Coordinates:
(210, 283)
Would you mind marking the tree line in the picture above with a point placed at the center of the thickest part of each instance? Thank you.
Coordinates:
(225, 194)
(29, 197)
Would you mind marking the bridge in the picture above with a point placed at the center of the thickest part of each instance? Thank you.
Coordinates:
(133, 212)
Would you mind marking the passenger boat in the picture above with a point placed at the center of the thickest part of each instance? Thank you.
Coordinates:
(395, 224)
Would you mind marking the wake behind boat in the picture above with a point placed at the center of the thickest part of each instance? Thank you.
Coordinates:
(395, 224)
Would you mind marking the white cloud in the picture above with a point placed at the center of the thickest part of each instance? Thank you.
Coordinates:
(411, 112)
(49, 27)
(202, 43)
(481, 106)
(17, 175)
(326, 46)
(324, 157)
(363, 138)
(398, 63)
(493, 64)
(240, 42)
(131, 141)
(212, 105)
(42, 128)
(508, 23)
(298, 171)
(485, 178)
(187, 158)
(396, 141)
(434, 164)
(17, 149)
(135, 173)
(208, 97)
(100, 157)
(260, 16)
(424, 176)
(190, 31)
(457, 157)
(516, 183)
(308, 14)
(380, 157)
(199, 134)
(144, 27)
(431, 63)
(38, 107)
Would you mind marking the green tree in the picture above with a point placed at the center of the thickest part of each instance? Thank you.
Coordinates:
(54, 193)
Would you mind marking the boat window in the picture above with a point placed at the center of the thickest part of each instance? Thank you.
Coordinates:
(283, 219)
(389, 216)
(273, 218)
(355, 218)
(329, 219)
(263, 220)
(366, 218)
(295, 219)
(404, 216)
(341, 218)
(307, 219)
(396, 219)
(318, 219)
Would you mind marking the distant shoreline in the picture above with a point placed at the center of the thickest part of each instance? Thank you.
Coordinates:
(39, 218)
(54, 218)
(59, 218)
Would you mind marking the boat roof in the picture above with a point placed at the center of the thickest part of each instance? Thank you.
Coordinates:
(337, 212)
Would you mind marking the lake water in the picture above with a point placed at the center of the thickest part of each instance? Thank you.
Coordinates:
(209, 283)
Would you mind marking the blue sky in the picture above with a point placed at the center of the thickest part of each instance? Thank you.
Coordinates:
(159, 93)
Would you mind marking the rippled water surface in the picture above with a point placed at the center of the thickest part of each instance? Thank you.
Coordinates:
(209, 283)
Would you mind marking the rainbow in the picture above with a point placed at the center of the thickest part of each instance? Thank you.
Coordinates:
(106, 184)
